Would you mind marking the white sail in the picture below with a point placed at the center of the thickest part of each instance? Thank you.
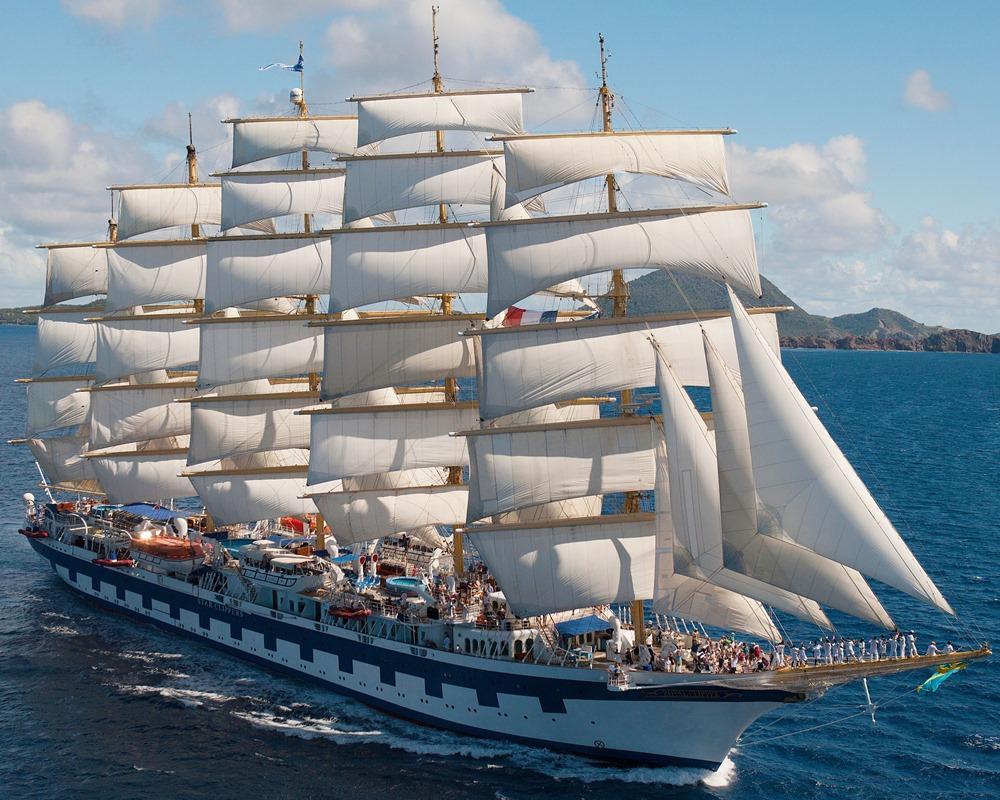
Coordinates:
(154, 273)
(55, 403)
(532, 365)
(255, 196)
(243, 269)
(806, 484)
(376, 264)
(229, 425)
(693, 500)
(232, 499)
(134, 412)
(534, 464)
(62, 462)
(133, 473)
(373, 353)
(257, 139)
(763, 554)
(242, 349)
(574, 508)
(695, 599)
(63, 339)
(377, 184)
(545, 567)
(487, 110)
(151, 208)
(261, 486)
(347, 442)
(360, 516)
(541, 162)
(527, 256)
(74, 270)
(133, 345)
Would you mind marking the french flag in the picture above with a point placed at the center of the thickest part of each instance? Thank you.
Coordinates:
(519, 316)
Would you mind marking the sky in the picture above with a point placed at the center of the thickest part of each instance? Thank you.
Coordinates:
(866, 127)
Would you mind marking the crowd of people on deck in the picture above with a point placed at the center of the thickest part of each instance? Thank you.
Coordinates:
(696, 653)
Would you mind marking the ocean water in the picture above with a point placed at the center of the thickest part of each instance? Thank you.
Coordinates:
(93, 705)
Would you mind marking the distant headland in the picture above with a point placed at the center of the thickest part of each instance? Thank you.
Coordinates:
(876, 329)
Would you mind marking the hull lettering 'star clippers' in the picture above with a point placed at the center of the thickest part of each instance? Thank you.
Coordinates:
(288, 442)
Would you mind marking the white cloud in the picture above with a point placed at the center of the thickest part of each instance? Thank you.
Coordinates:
(373, 50)
(115, 13)
(818, 203)
(920, 93)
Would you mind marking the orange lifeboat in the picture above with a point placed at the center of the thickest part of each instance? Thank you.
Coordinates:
(171, 548)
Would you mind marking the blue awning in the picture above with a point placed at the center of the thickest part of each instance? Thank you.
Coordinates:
(347, 558)
(581, 625)
(155, 513)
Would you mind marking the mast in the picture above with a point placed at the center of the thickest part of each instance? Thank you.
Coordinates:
(619, 297)
(192, 171)
(450, 384)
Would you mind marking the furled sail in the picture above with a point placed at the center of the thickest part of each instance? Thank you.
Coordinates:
(763, 553)
(545, 567)
(392, 182)
(64, 338)
(151, 208)
(527, 256)
(358, 516)
(348, 442)
(806, 484)
(136, 344)
(255, 196)
(137, 412)
(243, 269)
(516, 467)
(62, 462)
(398, 351)
(538, 163)
(149, 471)
(55, 403)
(489, 110)
(693, 499)
(235, 349)
(533, 365)
(74, 270)
(155, 272)
(266, 137)
(376, 264)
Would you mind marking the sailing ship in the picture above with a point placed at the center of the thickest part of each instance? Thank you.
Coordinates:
(426, 509)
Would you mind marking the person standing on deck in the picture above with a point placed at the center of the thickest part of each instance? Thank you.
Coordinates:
(873, 647)
(911, 640)
(817, 653)
(883, 647)
(851, 655)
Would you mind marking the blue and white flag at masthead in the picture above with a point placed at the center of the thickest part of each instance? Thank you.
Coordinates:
(297, 67)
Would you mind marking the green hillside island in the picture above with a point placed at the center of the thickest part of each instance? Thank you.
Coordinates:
(15, 316)
(877, 329)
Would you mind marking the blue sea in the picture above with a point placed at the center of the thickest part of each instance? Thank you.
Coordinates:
(93, 705)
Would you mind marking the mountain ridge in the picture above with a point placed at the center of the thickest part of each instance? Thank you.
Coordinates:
(660, 292)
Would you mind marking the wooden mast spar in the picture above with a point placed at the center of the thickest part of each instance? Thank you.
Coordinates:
(619, 297)
(450, 384)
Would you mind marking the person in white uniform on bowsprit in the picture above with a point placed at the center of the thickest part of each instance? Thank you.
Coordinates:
(949, 647)
(817, 653)
(873, 647)
(932, 649)
(911, 640)
(894, 644)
